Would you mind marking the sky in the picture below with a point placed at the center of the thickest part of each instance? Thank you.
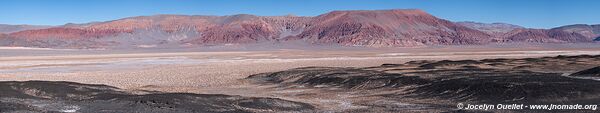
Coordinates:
(527, 13)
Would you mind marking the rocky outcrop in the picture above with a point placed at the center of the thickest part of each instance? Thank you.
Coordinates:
(350, 78)
(47, 96)
(527, 80)
(592, 72)
(525, 87)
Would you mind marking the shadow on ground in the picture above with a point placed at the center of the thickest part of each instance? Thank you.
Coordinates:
(47, 96)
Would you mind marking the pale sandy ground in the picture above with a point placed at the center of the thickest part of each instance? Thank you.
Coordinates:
(221, 72)
(215, 68)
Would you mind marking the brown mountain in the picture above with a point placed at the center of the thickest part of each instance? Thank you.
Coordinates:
(388, 28)
(379, 28)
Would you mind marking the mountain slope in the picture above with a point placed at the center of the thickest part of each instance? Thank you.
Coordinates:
(492, 29)
(590, 31)
(378, 28)
(544, 36)
(165, 29)
(16, 28)
(388, 28)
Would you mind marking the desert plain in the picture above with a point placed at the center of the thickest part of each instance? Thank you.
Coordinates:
(171, 71)
(226, 72)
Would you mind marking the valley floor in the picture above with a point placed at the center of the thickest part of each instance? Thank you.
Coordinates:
(225, 72)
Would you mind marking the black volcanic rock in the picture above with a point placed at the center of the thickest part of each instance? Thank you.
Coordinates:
(476, 81)
(351, 78)
(54, 90)
(449, 63)
(532, 87)
(46, 96)
(592, 72)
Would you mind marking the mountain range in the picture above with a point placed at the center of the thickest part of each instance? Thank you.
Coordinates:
(369, 28)
(4, 28)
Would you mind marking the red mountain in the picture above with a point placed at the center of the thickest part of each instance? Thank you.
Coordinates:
(381, 28)
(388, 28)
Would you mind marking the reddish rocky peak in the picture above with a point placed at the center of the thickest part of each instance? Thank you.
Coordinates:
(404, 20)
(387, 15)
(389, 28)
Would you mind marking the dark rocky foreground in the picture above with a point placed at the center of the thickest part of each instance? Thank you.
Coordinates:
(440, 85)
(592, 72)
(46, 96)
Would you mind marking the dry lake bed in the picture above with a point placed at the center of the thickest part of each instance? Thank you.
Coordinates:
(227, 72)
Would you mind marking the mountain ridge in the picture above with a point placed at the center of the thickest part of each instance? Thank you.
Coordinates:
(5, 28)
(370, 28)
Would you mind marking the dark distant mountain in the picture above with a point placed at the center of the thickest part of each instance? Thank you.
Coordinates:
(492, 29)
(569, 33)
(16, 28)
(378, 28)
(590, 31)
(543, 36)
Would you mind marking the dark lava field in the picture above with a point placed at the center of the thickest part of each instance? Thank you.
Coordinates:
(438, 86)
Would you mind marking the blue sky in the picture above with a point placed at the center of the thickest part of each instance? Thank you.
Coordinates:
(528, 13)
